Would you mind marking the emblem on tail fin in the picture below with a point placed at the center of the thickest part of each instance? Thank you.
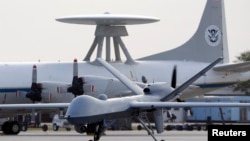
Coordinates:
(213, 35)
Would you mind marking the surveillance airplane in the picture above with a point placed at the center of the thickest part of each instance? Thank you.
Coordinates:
(207, 44)
(54, 78)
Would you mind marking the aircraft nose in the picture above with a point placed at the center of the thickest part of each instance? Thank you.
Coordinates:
(81, 106)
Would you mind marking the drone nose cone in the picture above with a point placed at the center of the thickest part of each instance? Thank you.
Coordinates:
(75, 110)
(82, 109)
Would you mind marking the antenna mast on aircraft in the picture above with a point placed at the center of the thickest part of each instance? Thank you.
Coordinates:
(108, 26)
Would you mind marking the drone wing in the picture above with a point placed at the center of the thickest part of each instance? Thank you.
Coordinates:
(127, 82)
(153, 105)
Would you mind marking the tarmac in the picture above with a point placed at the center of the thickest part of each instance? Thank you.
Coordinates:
(130, 135)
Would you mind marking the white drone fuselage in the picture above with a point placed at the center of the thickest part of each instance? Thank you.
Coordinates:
(87, 109)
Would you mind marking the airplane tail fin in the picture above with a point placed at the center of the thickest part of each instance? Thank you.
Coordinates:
(208, 43)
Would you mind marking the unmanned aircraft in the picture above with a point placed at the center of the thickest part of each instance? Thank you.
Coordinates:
(153, 98)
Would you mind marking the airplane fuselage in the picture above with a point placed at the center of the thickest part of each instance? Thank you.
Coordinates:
(16, 77)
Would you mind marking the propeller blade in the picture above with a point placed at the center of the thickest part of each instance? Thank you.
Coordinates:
(77, 82)
(34, 74)
(75, 68)
(35, 91)
(174, 77)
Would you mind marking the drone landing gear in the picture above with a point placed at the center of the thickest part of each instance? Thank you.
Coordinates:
(151, 133)
(99, 130)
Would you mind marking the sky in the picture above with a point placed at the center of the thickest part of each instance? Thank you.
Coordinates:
(29, 31)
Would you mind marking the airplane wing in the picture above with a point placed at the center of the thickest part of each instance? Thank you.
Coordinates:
(237, 67)
(152, 105)
(7, 110)
(34, 106)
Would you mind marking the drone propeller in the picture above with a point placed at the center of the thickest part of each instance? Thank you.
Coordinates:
(144, 79)
(35, 91)
(174, 77)
(77, 82)
(190, 81)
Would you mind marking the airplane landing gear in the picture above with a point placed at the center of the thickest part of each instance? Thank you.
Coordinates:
(11, 128)
(45, 127)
